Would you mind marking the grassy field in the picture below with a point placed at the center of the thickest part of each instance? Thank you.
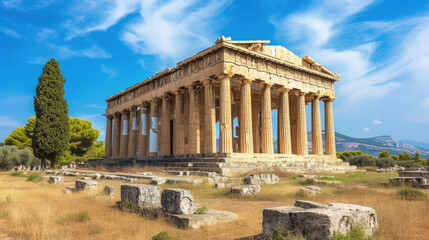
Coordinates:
(34, 210)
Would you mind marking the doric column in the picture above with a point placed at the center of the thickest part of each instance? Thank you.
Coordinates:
(123, 149)
(284, 138)
(209, 118)
(329, 128)
(256, 108)
(153, 130)
(142, 146)
(132, 133)
(165, 127)
(116, 135)
(316, 126)
(246, 135)
(302, 144)
(266, 121)
(194, 121)
(108, 149)
(178, 128)
(225, 135)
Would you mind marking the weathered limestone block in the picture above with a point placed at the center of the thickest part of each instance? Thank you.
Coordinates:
(67, 191)
(55, 179)
(130, 179)
(85, 178)
(246, 189)
(108, 190)
(141, 195)
(96, 176)
(177, 201)
(85, 184)
(158, 180)
(312, 190)
(112, 177)
(220, 185)
(195, 221)
(179, 180)
(73, 174)
(261, 179)
(319, 221)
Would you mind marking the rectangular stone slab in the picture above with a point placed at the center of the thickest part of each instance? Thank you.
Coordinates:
(195, 221)
(141, 195)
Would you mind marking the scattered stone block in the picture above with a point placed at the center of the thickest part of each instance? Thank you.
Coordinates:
(86, 178)
(246, 189)
(72, 174)
(55, 179)
(203, 174)
(261, 179)
(197, 181)
(158, 180)
(219, 179)
(145, 173)
(108, 190)
(85, 184)
(130, 179)
(177, 201)
(113, 177)
(220, 185)
(96, 176)
(141, 195)
(312, 190)
(319, 221)
(195, 221)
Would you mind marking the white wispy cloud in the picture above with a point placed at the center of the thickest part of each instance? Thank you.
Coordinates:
(18, 99)
(377, 121)
(170, 30)
(94, 106)
(6, 121)
(10, 32)
(45, 33)
(112, 72)
(26, 5)
(366, 129)
(65, 52)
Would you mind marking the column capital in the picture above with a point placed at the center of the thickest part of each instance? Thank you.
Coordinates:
(125, 111)
(223, 76)
(317, 97)
(328, 99)
(109, 115)
(143, 104)
(266, 85)
(283, 89)
(206, 82)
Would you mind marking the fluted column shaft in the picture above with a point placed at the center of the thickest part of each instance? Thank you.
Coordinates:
(285, 141)
(302, 143)
(108, 149)
(142, 145)
(123, 149)
(179, 130)
(153, 131)
(225, 135)
(316, 126)
(132, 133)
(246, 133)
(329, 129)
(256, 128)
(116, 136)
(209, 118)
(266, 121)
(165, 127)
(194, 121)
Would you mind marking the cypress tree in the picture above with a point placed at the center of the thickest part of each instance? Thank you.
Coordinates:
(51, 133)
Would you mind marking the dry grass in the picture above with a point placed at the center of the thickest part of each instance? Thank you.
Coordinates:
(38, 211)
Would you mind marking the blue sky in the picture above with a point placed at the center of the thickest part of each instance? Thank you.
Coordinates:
(380, 48)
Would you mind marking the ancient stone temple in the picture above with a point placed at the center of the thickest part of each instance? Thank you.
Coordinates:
(179, 113)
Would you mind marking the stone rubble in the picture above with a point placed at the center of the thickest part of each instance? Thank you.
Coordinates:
(85, 184)
(261, 179)
(108, 190)
(246, 189)
(55, 179)
(312, 190)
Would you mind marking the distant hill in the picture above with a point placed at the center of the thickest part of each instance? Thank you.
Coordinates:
(374, 145)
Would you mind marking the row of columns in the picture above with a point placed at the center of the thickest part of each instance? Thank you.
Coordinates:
(124, 139)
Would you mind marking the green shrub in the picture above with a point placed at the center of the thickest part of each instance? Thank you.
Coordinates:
(411, 194)
(17, 174)
(81, 216)
(33, 176)
(356, 233)
(201, 210)
(385, 162)
(368, 161)
(163, 236)
(394, 157)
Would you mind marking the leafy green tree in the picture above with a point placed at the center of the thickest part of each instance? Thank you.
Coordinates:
(21, 136)
(384, 154)
(82, 136)
(51, 132)
(396, 158)
(405, 157)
